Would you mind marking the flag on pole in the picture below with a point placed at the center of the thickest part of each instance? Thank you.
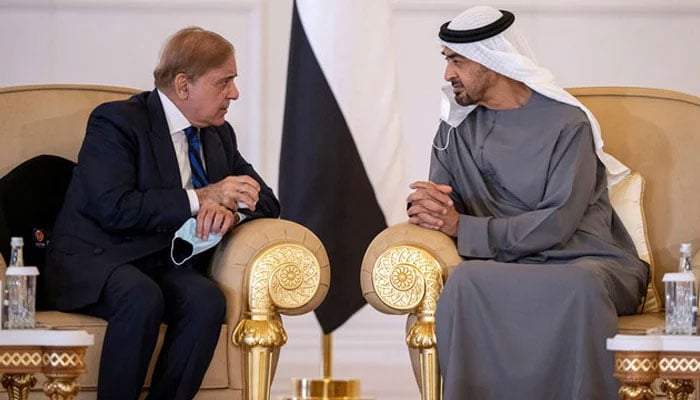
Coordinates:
(341, 164)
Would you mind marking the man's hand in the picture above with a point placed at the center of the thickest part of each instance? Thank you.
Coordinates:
(214, 218)
(432, 207)
(229, 191)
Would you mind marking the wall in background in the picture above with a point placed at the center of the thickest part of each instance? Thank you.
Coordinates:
(116, 42)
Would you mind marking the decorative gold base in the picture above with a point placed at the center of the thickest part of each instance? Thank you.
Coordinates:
(326, 389)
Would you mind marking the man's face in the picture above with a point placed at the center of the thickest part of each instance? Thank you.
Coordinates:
(210, 94)
(470, 80)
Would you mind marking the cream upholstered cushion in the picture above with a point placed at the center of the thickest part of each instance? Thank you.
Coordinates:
(626, 199)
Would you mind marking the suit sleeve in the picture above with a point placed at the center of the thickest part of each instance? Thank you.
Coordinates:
(268, 206)
(110, 161)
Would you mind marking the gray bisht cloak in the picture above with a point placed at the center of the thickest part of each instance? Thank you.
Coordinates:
(548, 264)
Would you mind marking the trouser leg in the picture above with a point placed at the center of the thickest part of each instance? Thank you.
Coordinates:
(194, 311)
(132, 304)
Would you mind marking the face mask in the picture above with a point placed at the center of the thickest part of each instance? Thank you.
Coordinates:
(186, 244)
(451, 112)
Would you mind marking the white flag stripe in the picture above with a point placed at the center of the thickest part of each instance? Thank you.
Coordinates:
(353, 43)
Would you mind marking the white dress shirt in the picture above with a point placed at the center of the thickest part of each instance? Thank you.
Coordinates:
(177, 123)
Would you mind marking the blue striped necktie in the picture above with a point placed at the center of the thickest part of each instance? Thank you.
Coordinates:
(199, 176)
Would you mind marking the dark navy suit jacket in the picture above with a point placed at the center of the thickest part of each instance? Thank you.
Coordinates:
(126, 200)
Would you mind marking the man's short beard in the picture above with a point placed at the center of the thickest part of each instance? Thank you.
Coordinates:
(464, 100)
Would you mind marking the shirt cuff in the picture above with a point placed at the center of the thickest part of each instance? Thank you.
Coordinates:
(194, 201)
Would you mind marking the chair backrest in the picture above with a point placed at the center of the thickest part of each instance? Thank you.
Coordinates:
(45, 121)
(48, 119)
(656, 133)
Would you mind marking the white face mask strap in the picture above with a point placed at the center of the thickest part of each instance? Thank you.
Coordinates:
(447, 142)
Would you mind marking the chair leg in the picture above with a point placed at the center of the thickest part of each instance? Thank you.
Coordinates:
(431, 385)
(259, 338)
(421, 336)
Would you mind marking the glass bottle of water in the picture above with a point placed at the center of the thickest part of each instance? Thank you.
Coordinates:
(685, 265)
(20, 312)
(17, 254)
(16, 260)
(3, 296)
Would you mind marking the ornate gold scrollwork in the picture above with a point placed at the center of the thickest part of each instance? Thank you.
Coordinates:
(409, 278)
(283, 276)
(677, 389)
(263, 333)
(636, 392)
(406, 278)
(636, 371)
(18, 385)
(61, 388)
(421, 335)
(62, 366)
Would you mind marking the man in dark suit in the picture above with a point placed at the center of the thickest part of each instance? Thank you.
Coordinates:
(135, 184)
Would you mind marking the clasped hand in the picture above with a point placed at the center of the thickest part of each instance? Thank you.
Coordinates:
(218, 203)
(431, 207)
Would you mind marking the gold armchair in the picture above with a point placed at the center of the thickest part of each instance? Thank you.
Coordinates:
(654, 132)
(266, 267)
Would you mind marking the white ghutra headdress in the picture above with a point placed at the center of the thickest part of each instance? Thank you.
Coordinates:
(488, 36)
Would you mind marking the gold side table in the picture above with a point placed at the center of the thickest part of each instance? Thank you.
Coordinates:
(58, 354)
(640, 359)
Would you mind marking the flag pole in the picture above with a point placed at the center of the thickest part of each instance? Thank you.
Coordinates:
(326, 388)
(326, 355)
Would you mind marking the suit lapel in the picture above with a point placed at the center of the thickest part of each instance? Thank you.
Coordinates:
(162, 143)
(214, 156)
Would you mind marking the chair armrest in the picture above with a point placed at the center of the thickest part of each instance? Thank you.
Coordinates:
(271, 265)
(266, 267)
(403, 271)
(404, 267)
